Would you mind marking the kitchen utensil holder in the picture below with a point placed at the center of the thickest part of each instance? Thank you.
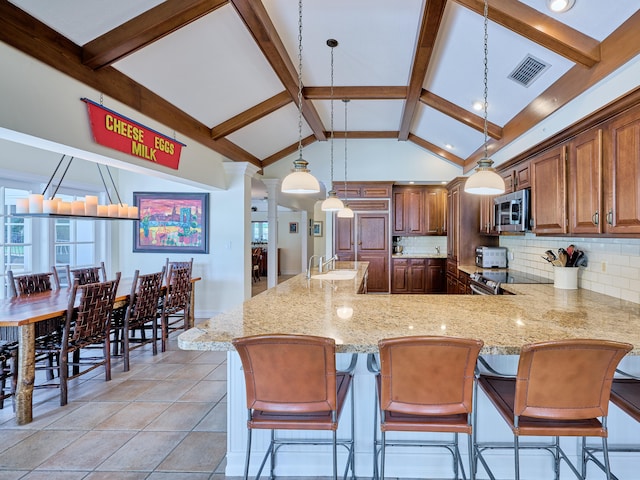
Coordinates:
(565, 278)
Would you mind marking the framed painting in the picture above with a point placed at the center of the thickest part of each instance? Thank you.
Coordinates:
(317, 229)
(171, 222)
(293, 227)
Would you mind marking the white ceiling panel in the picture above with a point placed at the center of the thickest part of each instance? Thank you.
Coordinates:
(460, 66)
(378, 51)
(363, 115)
(442, 130)
(272, 133)
(83, 20)
(214, 59)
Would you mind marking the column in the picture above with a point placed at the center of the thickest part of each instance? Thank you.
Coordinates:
(273, 190)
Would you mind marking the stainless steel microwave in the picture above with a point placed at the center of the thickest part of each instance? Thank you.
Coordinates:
(512, 211)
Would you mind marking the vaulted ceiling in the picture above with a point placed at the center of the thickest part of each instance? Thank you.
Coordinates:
(224, 72)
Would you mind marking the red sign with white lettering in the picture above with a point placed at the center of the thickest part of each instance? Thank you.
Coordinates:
(125, 135)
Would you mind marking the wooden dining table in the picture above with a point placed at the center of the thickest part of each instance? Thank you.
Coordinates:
(24, 312)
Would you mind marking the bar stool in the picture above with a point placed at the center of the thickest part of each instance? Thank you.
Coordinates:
(561, 390)
(292, 384)
(625, 394)
(424, 384)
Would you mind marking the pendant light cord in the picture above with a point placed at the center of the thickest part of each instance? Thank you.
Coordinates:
(486, 74)
(346, 101)
(300, 78)
(332, 134)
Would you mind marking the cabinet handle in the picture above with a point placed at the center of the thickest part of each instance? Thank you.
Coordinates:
(595, 218)
(610, 217)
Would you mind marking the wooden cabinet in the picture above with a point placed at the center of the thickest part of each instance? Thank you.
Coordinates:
(516, 177)
(417, 275)
(548, 191)
(622, 180)
(419, 210)
(585, 183)
(487, 216)
(363, 190)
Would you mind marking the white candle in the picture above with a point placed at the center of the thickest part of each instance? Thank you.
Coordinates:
(77, 207)
(91, 205)
(64, 208)
(103, 210)
(22, 205)
(35, 203)
(112, 210)
(50, 206)
(123, 210)
(133, 212)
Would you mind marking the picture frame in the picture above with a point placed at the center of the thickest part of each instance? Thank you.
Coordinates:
(171, 222)
(317, 229)
(293, 227)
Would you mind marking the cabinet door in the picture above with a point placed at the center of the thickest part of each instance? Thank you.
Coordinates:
(399, 227)
(521, 176)
(373, 246)
(509, 181)
(414, 211)
(487, 216)
(418, 275)
(435, 204)
(623, 199)
(436, 278)
(548, 192)
(452, 285)
(378, 280)
(453, 207)
(344, 238)
(399, 275)
(585, 183)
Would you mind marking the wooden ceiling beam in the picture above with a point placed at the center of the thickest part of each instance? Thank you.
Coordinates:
(144, 29)
(460, 114)
(356, 93)
(287, 151)
(450, 157)
(251, 115)
(617, 49)
(255, 17)
(541, 29)
(429, 26)
(34, 38)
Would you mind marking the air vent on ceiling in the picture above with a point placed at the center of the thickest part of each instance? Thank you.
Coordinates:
(528, 70)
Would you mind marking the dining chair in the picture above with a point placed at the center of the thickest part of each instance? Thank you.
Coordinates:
(256, 260)
(87, 323)
(141, 313)
(8, 370)
(30, 283)
(561, 389)
(292, 384)
(86, 275)
(179, 264)
(424, 384)
(625, 394)
(175, 304)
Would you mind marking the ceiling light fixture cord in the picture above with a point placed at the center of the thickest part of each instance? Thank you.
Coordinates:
(332, 135)
(486, 74)
(346, 102)
(300, 78)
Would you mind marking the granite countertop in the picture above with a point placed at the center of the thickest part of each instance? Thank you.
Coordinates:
(419, 255)
(504, 322)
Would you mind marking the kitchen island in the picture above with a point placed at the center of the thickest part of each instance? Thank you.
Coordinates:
(333, 308)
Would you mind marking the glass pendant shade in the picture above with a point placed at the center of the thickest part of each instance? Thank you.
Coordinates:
(332, 203)
(346, 212)
(485, 180)
(300, 180)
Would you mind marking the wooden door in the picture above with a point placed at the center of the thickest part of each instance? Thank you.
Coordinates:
(414, 211)
(509, 181)
(399, 275)
(549, 192)
(436, 278)
(435, 201)
(487, 215)
(623, 199)
(373, 246)
(399, 227)
(585, 183)
(418, 276)
(521, 176)
(453, 206)
(344, 240)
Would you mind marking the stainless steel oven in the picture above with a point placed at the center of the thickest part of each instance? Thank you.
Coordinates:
(511, 211)
(481, 285)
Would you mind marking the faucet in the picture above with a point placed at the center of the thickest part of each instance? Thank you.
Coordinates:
(438, 249)
(322, 265)
(320, 259)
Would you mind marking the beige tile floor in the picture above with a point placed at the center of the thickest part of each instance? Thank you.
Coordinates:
(165, 419)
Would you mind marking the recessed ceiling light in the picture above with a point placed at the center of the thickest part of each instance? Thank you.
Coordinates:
(560, 6)
(477, 105)
(411, 183)
(448, 146)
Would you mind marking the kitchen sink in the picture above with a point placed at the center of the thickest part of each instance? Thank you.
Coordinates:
(335, 275)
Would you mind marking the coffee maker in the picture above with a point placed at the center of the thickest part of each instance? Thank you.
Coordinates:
(397, 248)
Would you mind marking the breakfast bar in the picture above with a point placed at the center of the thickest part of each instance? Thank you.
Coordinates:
(332, 307)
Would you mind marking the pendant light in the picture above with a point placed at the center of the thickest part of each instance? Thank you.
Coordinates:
(300, 180)
(332, 203)
(485, 180)
(346, 212)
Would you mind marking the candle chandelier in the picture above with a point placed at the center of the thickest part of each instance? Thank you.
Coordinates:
(48, 205)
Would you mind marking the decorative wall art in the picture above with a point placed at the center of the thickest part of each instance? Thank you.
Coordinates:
(171, 222)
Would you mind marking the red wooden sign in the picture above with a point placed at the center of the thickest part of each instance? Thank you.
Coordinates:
(125, 135)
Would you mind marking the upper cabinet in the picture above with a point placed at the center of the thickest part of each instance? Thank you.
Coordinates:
(516, 177)
(548, 191)
(419, 210)
(585, 183)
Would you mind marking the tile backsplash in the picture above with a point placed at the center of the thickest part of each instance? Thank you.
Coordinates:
(422, 245)
(613, 263)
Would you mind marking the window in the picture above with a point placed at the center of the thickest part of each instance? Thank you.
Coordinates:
(15, 238)
(259, 232)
